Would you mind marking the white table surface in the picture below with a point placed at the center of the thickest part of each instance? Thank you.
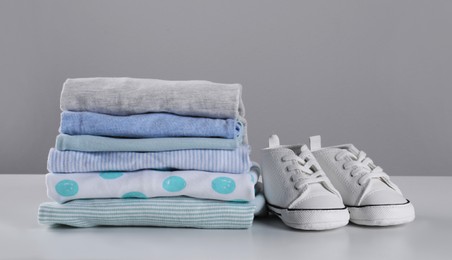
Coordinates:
(428, 237)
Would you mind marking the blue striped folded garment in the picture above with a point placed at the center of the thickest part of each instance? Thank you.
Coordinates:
(226, 161)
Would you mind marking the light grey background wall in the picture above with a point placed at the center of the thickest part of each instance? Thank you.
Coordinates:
(375, 73)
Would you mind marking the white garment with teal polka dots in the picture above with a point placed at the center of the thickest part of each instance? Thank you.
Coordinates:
(150, 184)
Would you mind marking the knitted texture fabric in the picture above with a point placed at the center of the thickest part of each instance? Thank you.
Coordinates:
(127, 96)
(149, 184)
(160, 212)
(150, 125)
(92, 143)
(227, 161)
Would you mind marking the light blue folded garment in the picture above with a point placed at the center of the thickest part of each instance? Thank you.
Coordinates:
(91, 143)
(148, 125)
(227, 161)
(160, 212)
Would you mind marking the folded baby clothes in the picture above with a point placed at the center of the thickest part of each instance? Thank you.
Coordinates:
(92, 143)
(127, 96)
(147, 152)
(227, 161)
(151, 184)
(161, 212)
(150, 125)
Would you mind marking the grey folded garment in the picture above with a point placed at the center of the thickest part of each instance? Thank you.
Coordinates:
(127, 96)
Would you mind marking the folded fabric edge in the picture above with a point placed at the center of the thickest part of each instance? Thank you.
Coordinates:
(74, 83)
(149, 184)
(72, 123)
(92, 143)
(222, 214)
(58, 165)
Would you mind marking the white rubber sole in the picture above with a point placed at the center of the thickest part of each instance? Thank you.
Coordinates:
(312, 219)
(382, 215)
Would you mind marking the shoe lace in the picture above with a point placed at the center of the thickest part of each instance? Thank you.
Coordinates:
(361, 166)
(304, 170)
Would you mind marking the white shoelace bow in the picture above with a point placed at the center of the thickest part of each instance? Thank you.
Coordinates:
(305, 171)
(361, 165)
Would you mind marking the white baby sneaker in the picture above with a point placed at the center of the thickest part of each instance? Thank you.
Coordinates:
(298, 191)
(372, 199)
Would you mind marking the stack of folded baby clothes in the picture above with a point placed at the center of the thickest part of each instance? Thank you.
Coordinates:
(151, 153)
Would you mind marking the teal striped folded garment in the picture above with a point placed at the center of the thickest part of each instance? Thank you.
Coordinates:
(92, 143)
(158, 212)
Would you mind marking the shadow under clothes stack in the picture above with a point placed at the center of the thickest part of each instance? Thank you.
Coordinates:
(146, 152)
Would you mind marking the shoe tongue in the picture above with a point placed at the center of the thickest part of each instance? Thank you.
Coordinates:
(273, 141)
(304, 153)
(374, 183)
(353, 154)
(353, 151)
(304, 150)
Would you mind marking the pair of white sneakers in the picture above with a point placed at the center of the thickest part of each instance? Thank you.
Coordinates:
(319, 188)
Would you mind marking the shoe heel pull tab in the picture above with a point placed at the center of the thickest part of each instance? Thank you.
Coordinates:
(315, 143)
(273, 141)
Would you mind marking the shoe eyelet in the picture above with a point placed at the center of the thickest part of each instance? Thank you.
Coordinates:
(343, 166)
(291, 178)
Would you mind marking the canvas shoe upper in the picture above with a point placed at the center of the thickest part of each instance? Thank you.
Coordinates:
(368, 192)
(297, 190)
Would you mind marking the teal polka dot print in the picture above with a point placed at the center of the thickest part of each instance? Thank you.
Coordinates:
(110, 175)
(66, 188)
(223, 185)
(174, 184)
(134, 195)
